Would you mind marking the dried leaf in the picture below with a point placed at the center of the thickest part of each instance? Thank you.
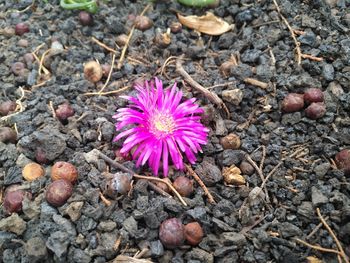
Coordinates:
(208, 24)
(312, 259)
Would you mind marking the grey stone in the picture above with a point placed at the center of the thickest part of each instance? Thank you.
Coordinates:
(209, 173)
(58, 243)
(229, 157)
(31, 208)
(201, 255)
(233, 238)
(14, 224)
(321, 169)
(222, 225)
(224, 207)
(13, 176)
(50, 140)
(220, 127)
(130, 225)
(65, 225)
(107, 242)
(85, 224)
(222, 251)
(198, 213)
(157, 248)
(328, 72)
(5, 239)
(291, 118)
(289, 230)
(106, 226)
(35, 249)
(74, 210)
(317, 197)
(306, 209)
(80, 256)
(234, 96)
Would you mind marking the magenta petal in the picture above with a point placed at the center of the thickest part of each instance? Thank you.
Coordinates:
(165, 159)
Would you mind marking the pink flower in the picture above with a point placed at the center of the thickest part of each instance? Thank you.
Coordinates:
(159, 125)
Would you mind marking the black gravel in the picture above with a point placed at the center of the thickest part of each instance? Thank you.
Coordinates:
(244, 225)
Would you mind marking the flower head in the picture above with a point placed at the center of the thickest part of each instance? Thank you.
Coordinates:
(159, 125)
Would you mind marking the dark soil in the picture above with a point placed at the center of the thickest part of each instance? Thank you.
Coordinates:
(240, 227)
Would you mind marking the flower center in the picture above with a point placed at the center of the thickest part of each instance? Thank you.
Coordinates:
(162, 123)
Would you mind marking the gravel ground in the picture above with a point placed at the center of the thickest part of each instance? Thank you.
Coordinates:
(245, 224)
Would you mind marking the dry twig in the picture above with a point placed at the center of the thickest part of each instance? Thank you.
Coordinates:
(296, 42)
(122, 56)
(105, 200)
(103, 45)
(208, 94)
(341, 250)
(200, 182)
(113, 92)
(256, 82)
(328, 250)
(123, 168)
(306, 56)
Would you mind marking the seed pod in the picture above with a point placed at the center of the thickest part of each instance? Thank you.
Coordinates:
(293, 102)
(58, 192)
(342, 159)
(13, 200)
(193, 233)
(246, 168)
(93, 71)
(232, 175)
(85, 18)
(64, 111)
(7, 107)
(118, 183)
(65, 171)
(313, 95)
(121, 40)
(183, 185)
(315, 110)
(143, 23)
(175, 27)
(231, 141)
(18, 68)
(7, 135)
(21, 28)
(171, 233)
(32, 171)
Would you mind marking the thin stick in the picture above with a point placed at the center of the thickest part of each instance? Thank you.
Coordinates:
(221, 85)
(123, 168)
(313, 232)
(341, 250)
(109, 76)
(263, 157)
(328, 250)
(200, 182)
(159, 190)
(122, 56)
(52, 109)
(256, 82)
(270, 174)
(297, 44)
(42, 62)
(108, 92)
(103, 45)
(105, 200)
(306, 56)
(208, 94)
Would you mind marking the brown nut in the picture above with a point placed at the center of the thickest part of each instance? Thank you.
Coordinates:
(231, 141)
(13, 201)
(93, 71)
(58, 192)
(342, 159)
(7, 135)
(7, 107)
(183, 185)
(171, 233)
(293, 102)
(193, 233)
(175, 27)
(64, 111)
(65, 171)
(313, 95)
(315, 110)
(143, 23)
(32, 171)
(246, 168)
